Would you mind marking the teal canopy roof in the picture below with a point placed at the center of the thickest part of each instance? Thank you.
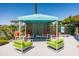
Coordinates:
(37, 18)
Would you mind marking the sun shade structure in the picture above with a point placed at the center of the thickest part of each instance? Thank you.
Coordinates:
(37, 18)
(37, 24)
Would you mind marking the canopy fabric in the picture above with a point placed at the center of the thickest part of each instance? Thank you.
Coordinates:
(37, 18)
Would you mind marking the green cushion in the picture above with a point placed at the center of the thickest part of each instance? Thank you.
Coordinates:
(56, 43)
(19, 44)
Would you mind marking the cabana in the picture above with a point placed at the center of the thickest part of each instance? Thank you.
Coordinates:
(37, 25)
(36, 28)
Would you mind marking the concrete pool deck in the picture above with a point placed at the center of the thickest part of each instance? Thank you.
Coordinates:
(41, 49)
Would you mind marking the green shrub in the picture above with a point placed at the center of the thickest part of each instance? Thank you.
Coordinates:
(3, 40)
(69, 29)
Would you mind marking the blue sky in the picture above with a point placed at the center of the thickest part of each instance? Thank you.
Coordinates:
(12, 11)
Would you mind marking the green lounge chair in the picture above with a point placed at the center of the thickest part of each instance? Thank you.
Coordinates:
(22, 45)
(56, 44)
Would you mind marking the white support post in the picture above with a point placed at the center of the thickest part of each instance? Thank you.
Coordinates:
(56, 29)
(56, 32)
(20, 35)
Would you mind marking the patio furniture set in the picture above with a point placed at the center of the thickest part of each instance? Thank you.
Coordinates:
(37, 24)
(22, 45)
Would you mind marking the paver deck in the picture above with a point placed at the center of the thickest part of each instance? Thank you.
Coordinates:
(41, 49)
